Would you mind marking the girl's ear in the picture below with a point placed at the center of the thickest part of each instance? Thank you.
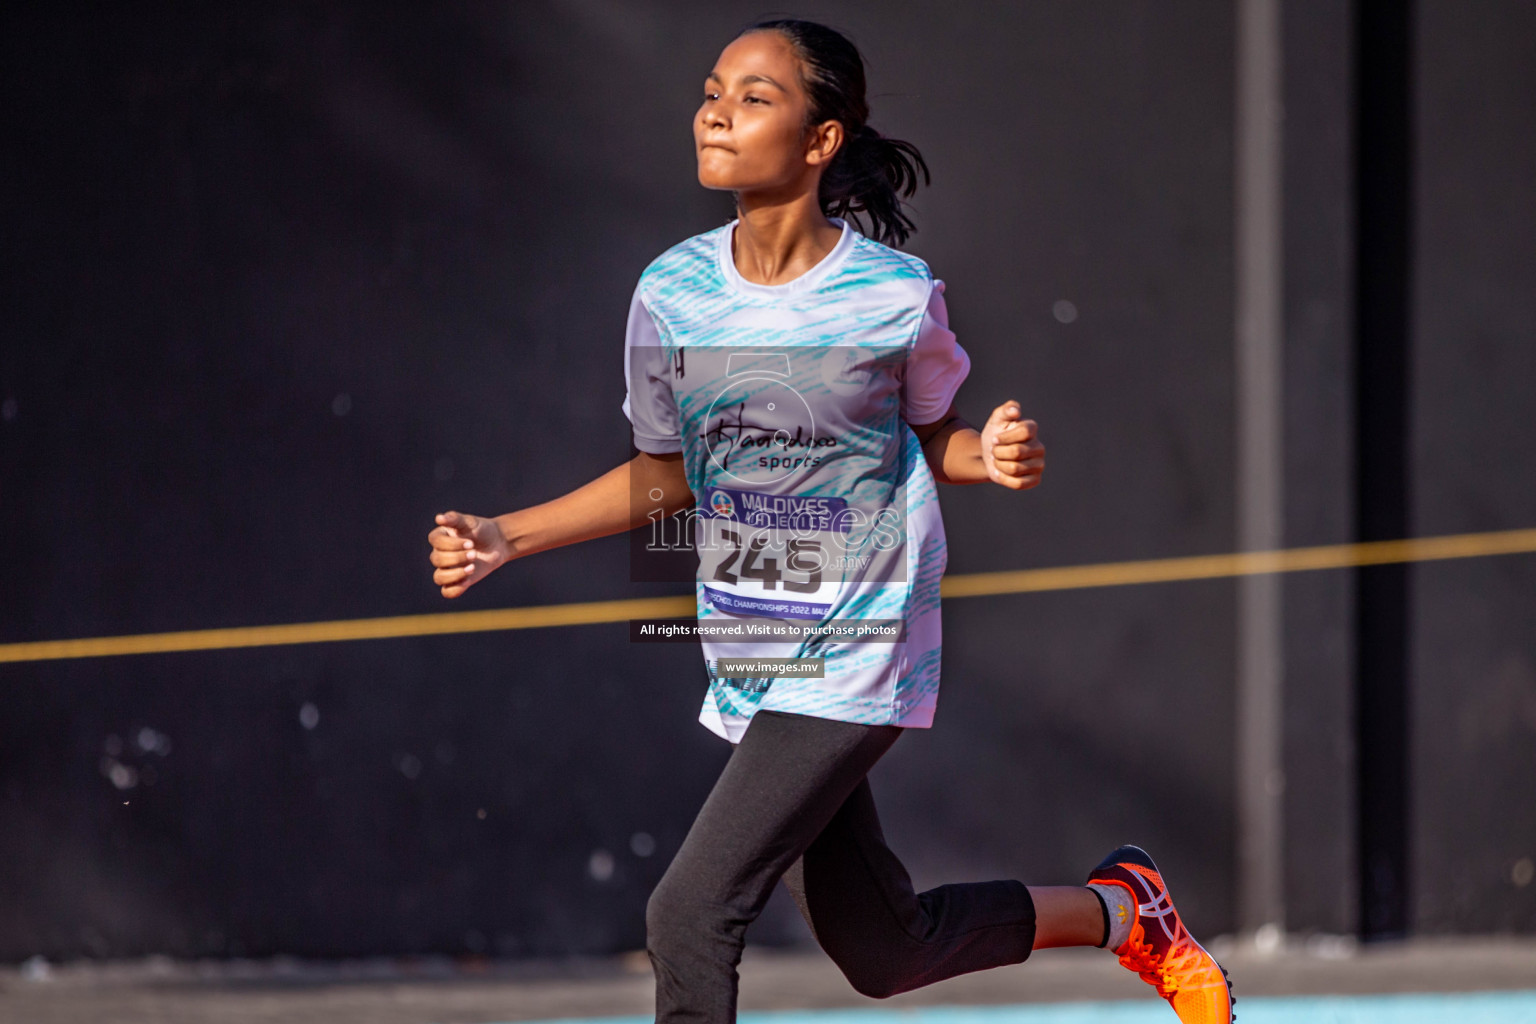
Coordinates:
(826, 139)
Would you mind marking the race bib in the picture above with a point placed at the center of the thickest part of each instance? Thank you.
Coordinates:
(789, 556)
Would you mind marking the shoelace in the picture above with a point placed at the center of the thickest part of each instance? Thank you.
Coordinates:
(1182, 963)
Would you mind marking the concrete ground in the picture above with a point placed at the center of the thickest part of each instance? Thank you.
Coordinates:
(475, 991)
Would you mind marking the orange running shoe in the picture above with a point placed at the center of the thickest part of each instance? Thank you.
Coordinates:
(1160, 949)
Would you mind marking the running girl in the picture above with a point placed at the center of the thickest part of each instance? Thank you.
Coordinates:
(791, 384)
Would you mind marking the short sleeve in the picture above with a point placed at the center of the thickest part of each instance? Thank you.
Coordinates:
(649, 403)
(936, 366)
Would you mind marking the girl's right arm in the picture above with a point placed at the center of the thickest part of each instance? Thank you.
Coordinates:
(467, 548)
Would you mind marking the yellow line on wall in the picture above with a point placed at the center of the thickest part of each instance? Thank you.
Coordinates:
(1245, 563)
(536, 617)
(1020, 581)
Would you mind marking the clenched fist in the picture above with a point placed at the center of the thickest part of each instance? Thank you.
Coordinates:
(465, 549)
(1011, 449)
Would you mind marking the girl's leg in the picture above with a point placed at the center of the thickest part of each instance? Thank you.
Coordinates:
(1067, 915)
(859, 902)
(783, 783)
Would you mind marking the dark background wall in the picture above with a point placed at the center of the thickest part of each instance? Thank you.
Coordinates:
(1474, 375)
(281, 284)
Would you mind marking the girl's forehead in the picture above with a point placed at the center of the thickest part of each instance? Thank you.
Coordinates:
(763, 53)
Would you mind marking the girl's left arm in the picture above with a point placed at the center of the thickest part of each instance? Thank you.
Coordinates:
(1006, 450)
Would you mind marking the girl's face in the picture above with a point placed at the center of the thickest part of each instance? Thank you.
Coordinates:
(750, 133)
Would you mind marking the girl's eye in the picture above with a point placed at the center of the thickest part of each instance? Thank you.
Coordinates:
(711, 96)
(755, 99)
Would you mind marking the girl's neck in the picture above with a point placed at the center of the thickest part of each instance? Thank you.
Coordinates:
(778, 240)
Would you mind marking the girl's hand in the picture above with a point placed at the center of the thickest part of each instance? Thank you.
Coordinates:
(1012, 452)
(465, 549)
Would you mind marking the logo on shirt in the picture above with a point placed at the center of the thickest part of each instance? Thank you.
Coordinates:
(759, 427)
(720, 504)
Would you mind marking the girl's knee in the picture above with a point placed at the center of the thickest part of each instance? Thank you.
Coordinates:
(874, 970)
(663, 911)
(872, 981)
(675, 913)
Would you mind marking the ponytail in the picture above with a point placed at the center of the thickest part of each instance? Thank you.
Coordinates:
(871, 174)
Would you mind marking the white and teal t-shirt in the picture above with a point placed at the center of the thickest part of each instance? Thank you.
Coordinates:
(814, 503)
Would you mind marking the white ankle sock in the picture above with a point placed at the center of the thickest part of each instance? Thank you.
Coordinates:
(1119, 911)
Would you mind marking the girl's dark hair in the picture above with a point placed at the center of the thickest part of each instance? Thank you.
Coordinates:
(870, 173)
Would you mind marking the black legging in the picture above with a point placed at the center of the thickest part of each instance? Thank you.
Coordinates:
(793, 802)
